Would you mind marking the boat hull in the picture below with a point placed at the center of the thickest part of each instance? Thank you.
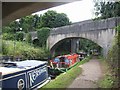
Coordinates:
(26, 79)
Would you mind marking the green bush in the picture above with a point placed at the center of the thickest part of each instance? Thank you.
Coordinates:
(23, 50)
(7, 29)
(8, 36)
(113, 58)
(28, 38)
(106, 82)
(110, 64)
(19, 36)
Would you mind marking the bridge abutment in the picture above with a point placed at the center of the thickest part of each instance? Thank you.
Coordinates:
(73, 45)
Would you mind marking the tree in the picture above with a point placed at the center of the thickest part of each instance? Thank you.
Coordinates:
(27, 23)
(7, 29)
(50, 19)
(7, 33)
(37, 23)
(53, 19)
(61, 20)
(107, 9)
(11, 28)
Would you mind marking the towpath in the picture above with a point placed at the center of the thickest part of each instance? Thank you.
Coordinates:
(91, 73)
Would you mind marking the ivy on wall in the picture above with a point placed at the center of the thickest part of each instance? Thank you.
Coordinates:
(43, 34)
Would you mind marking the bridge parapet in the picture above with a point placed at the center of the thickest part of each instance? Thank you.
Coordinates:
(89, 25)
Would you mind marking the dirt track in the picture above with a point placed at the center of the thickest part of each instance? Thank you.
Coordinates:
(90, 75)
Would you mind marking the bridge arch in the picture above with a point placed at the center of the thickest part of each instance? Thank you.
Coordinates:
(70, 45)
(35, 41)
(100, 37)
(70, 38)
(73, 36)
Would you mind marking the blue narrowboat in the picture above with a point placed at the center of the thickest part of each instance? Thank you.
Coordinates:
(23, 75)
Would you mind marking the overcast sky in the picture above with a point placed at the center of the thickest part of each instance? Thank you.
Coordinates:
(76, 11)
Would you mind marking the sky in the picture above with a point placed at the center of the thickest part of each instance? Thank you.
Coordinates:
(76, 11)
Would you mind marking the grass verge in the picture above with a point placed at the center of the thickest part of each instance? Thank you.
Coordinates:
(106, 80)
(65, 79)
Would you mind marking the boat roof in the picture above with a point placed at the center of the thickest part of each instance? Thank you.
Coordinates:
(29, 63)
(20, 65)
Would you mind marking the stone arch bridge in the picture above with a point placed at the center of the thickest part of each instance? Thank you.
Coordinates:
(98, 31)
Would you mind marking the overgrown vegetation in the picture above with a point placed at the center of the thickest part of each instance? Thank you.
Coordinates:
(107, 9)
(43, 34)
(23, 50)
(50, 19)
(19, 36)
(65, 79)
(20, 30)
(28, 38)
(104, 10)
(113, 58)
(111, 65)
(106, 80)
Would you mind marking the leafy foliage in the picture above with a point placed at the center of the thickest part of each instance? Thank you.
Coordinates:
(61, 20)
(23, 50)
(41, 24)
(118, 35)
(113, 58)
(8, 36)
(19, 36)
(107, 9)
(28, 38)
(30, 23)
(27, 23)
(53, 19)
(43, 34)
(7, 29)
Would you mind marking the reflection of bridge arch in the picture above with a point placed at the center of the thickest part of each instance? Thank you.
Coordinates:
(100, 32)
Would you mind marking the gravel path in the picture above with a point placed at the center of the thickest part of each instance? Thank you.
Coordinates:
(91, 73)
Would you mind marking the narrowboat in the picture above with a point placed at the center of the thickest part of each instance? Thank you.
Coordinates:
(82, 55)
(64, 62)
(23, 75)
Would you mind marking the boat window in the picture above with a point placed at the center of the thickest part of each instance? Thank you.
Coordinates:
(67, 61)
(56, 60)
(62, 59)
(9, 65)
